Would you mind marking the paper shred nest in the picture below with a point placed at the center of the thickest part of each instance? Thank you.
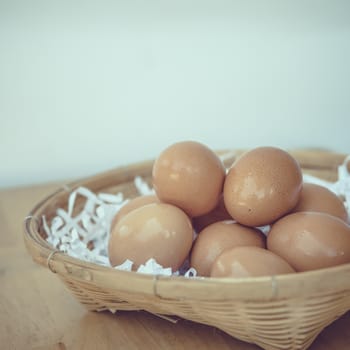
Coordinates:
(85, 235)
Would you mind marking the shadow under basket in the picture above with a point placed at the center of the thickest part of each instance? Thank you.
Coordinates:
(278, 312)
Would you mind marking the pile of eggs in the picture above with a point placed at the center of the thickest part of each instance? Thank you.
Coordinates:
(256, 219)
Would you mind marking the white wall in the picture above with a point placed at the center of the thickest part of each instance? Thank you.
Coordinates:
(85, 86)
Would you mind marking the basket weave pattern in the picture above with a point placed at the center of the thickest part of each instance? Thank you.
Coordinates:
(278, 312)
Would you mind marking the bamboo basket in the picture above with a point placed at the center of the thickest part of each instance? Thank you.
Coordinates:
(278, 312)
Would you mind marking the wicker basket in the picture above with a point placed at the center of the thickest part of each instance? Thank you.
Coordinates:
(278, 312)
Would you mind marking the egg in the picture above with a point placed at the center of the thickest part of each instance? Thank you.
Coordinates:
(217, 237)
(310, 240)
(133, 204)
(261, 186)
(219, 213)
(320, 199)
(249, 262)
(157, 230)
(189, 175)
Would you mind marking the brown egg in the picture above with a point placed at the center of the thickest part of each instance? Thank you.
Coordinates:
(160, 231)
(249, 262)
(320, 199)
(217, 237)
(190, 176)
(134, 203)
(261, 186)
(310, 240)
(219, 213)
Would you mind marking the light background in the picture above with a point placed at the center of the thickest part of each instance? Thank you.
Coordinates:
(88, 86)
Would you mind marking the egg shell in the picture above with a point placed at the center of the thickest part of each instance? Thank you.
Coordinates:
(219, 213)
(262, 185)
(133, 204)
(320, 199)
(216, 238)
(158, 230)
(249, 262)
(310, 240)
(189, 175)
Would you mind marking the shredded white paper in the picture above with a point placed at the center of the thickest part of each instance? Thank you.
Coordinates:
(142, 186)
(85, 235)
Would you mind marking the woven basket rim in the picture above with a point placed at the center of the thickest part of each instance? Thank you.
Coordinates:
(253, 289)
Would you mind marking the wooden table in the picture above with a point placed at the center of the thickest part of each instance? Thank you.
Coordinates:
(37, 312)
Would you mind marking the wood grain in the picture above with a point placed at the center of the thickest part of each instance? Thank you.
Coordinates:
(37, 312)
